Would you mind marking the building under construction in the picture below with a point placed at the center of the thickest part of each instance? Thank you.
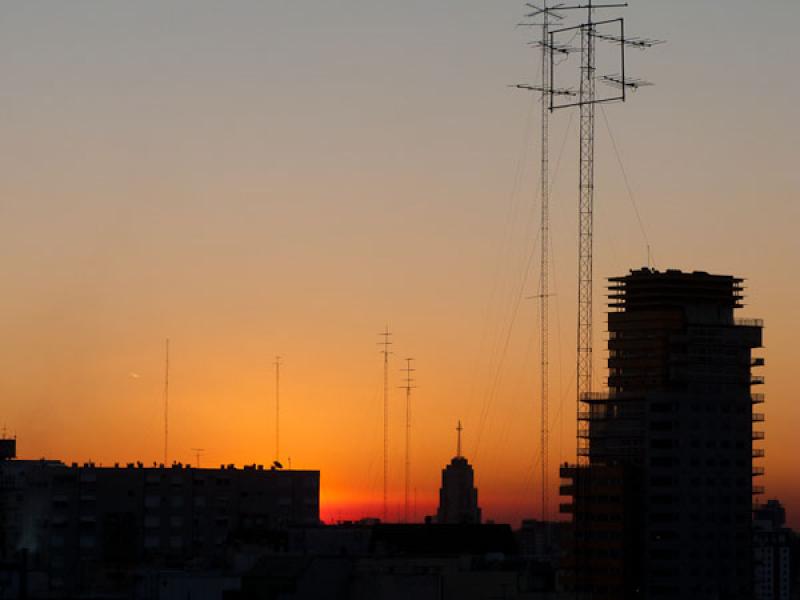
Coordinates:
(661, 501)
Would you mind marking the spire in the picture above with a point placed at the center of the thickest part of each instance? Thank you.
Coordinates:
(459, 429)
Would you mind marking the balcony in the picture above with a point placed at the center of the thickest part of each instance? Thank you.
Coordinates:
(757, 362)
(758, 471)
(749, 322)
(758, 435)
(758, 453)
(757, 398)
(756, 380)
(758, 489)
(569, 509)
(758, 417)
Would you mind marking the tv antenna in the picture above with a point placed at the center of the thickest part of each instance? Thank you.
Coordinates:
(613, 32)
(385, 342)
(610, 31)
(459, 429)
(409, 385)
(198, 452)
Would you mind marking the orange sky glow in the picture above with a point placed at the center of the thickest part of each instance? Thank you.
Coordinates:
(259, 179)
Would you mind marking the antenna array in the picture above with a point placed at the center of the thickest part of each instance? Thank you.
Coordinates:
(586, 101)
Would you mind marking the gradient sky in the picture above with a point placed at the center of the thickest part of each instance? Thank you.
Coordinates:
(256, 178)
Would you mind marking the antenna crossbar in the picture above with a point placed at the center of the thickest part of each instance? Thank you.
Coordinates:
(618, 81)
(634, 42)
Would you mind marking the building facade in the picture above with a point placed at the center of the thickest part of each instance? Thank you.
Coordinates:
(87, 527)
(661, 499)
(772, 553)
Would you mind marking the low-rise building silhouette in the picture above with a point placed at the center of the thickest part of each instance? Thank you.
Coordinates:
(85, 527)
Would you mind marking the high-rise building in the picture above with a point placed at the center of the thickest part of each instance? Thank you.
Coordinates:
(661, 499)
(772, 553)
(458, 496)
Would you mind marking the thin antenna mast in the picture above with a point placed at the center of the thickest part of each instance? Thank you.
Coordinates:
(277, 364)
(385, 342)
(544, 255)
(459, 429)
(197, 453)
(166, 405)
(409, 385)
(545, 89)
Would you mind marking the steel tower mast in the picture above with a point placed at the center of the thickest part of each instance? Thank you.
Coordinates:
(612, 32)
(586, 100)
(385, 342)
(409, 385)
(544, 278)
(545, 89)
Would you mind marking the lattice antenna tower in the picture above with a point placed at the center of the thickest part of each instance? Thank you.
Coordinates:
(547, 15)
(385, 336)
(277, 365)
(408, 385)
(586, 102)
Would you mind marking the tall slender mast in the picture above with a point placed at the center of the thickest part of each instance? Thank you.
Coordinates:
(547, 91)
(586, 209)
(544, 255)
(166, 404)
(459, 429)
(409, 385)
(385, 343)
(277, 364)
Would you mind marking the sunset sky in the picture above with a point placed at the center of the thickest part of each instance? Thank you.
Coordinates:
(254, 178)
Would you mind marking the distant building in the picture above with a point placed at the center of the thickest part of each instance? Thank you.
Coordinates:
(772, 553)
(661, 501)
(398, 561)
(87, 527)
(458, 497)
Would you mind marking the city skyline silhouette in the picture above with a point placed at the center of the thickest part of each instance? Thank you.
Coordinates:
(262, 180)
